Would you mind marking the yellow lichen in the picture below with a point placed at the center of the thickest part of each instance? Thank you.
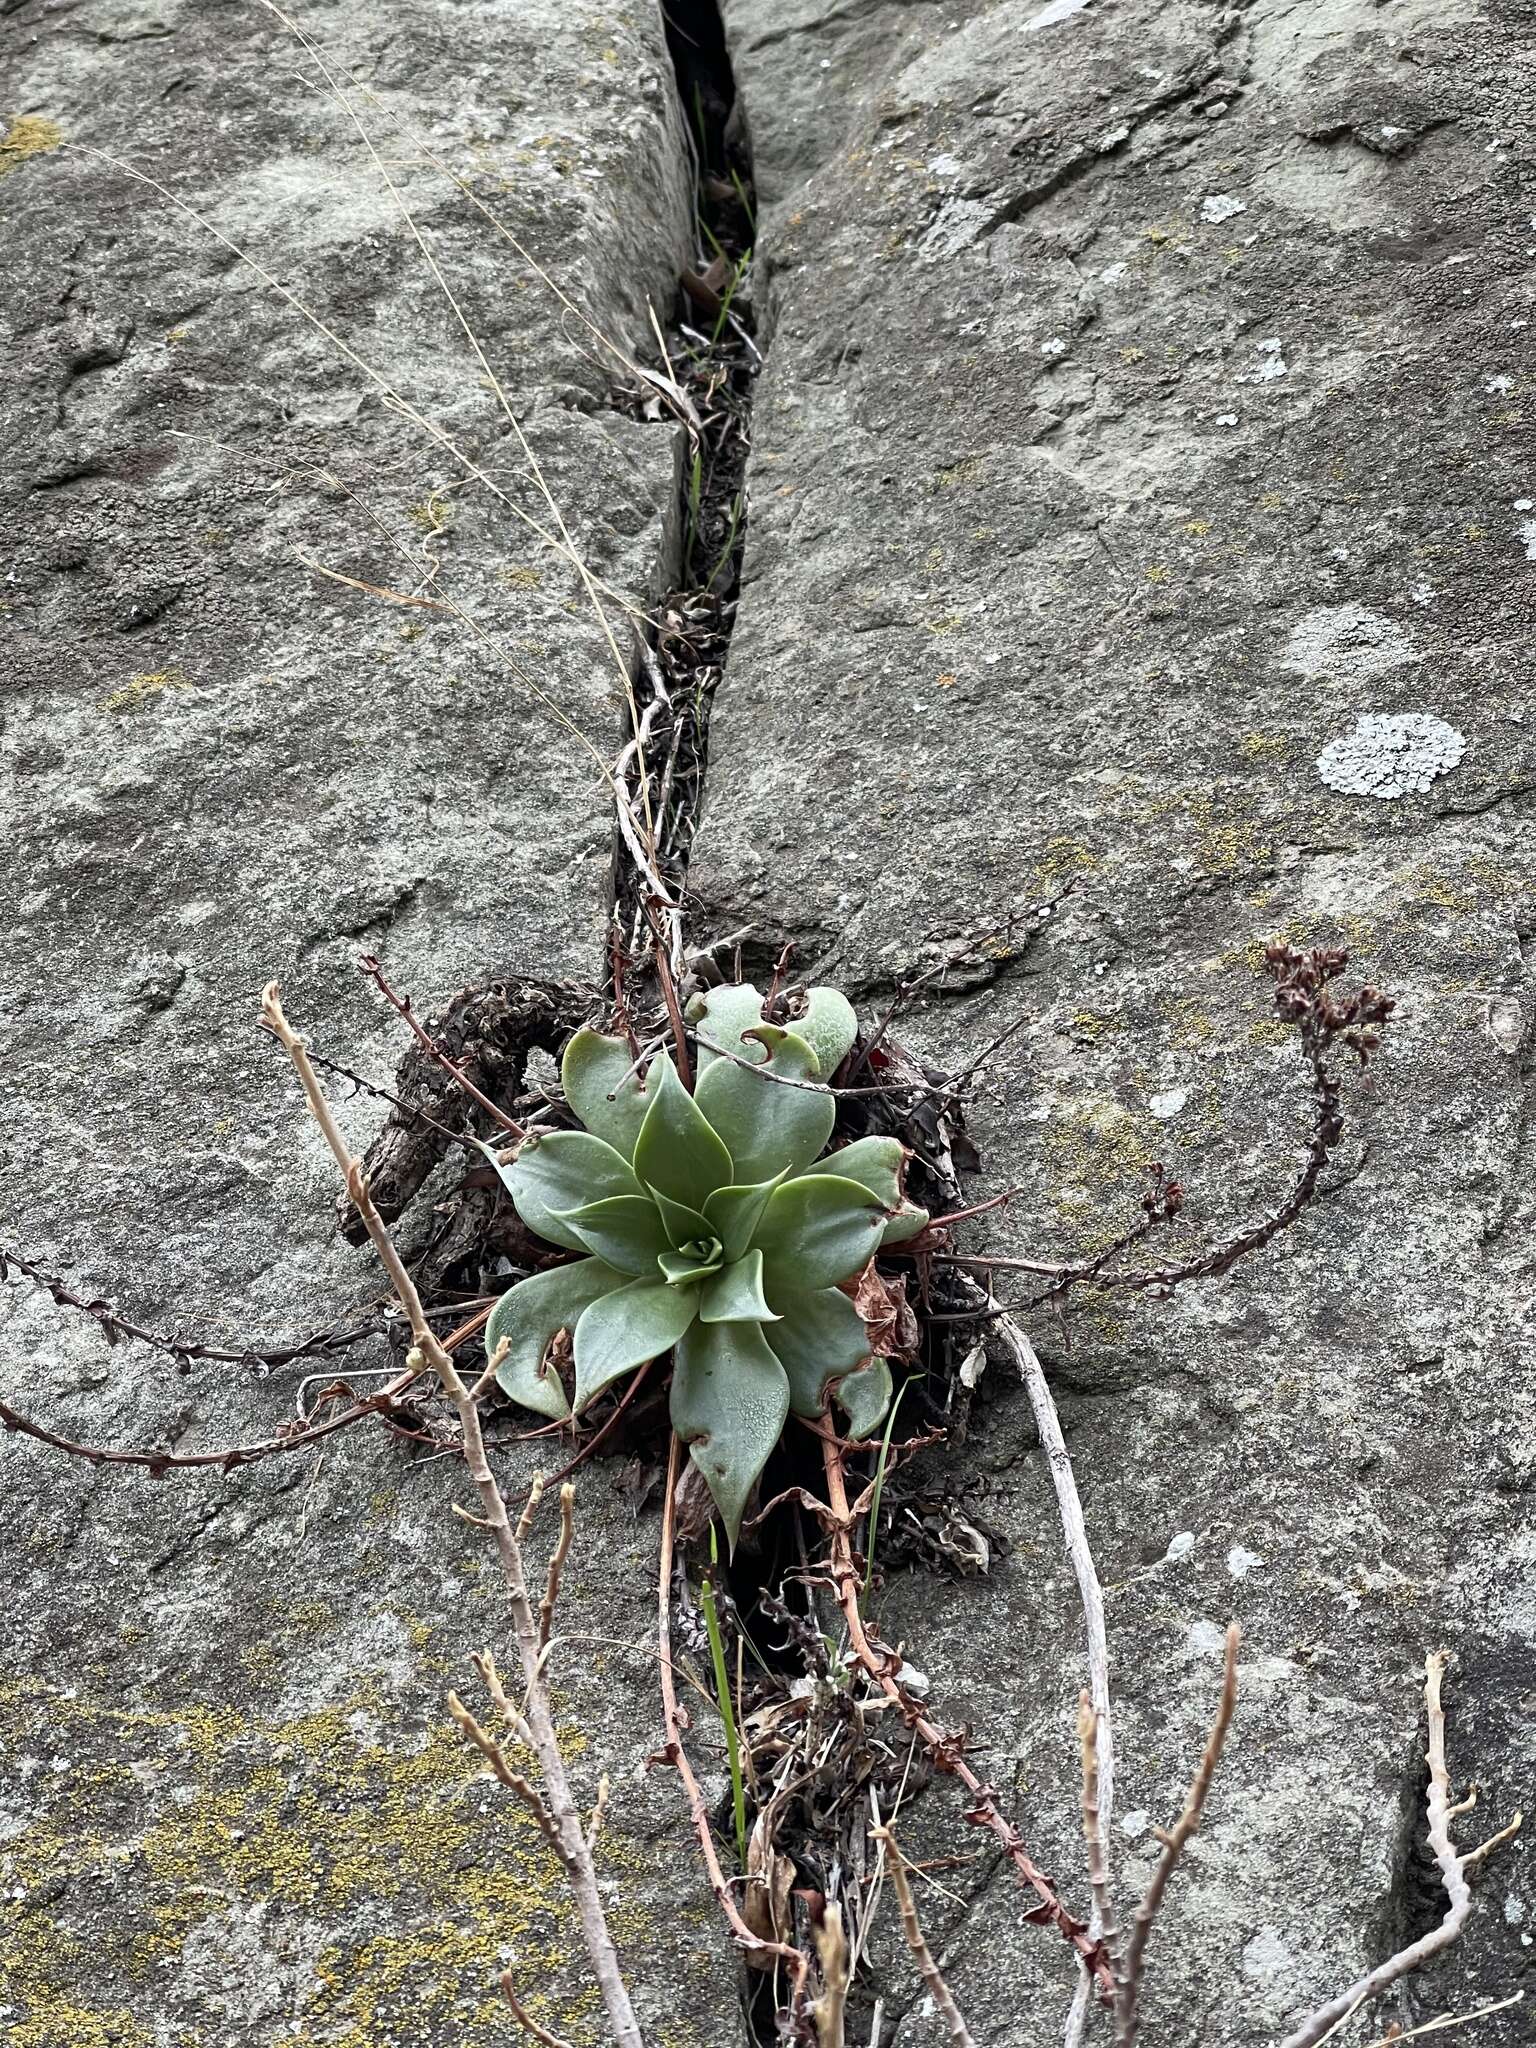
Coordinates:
(1226, 841)
(1065, 856)
(143, 689)
(307, 1814)
(1090, 1025)
(1264, 746)
(1098, 1153)
(28, 135)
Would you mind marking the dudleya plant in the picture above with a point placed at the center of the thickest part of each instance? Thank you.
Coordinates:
(709, 1226)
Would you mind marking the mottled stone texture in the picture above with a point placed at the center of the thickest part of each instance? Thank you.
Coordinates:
(1148, 397)
(232, 1810)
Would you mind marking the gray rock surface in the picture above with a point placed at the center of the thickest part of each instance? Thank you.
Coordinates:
(233, 1810)
(1144, 407)
(1148, 399)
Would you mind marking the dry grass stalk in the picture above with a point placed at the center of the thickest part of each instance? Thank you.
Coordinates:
(1089, 1732)
(1453, 1865)
(928, 1969)
(568, 1835)
(829, 2006)
(1127, 2005)
(531, 461)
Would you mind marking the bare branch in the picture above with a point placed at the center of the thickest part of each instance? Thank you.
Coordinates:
(571, 1841)
(490, 1678)
(1453, 1876)
(1090, 1731)
(495, 1756)
(943, 1998)
(599, 1811)
(1127, 2016)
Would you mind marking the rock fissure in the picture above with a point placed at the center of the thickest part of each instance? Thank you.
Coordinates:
(710, 366)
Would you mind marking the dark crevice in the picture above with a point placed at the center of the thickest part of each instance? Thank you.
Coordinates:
(712, 361)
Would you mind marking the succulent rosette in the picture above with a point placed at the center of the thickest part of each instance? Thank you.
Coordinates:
(709, 1225)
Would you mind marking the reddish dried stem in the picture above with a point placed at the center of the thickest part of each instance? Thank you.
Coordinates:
(401, 1004)
(234, 1455)
(942, 1748)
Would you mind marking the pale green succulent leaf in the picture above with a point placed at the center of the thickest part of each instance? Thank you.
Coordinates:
(676, 1152)
(563, 1170)
(721, 1017)
(729, 1401)
(627, 1328)
(879, 1165)
(819, 1336)
(875, 1163)
(768, 1123)
(692, 1261)
(864, 1396)
(623, 1229)
(601, 1085)
(530, 1315)
(734, 1213)
(735, 1293)
(828, 1027)
(683, 1224)
(816, 1231)
(908, 1221)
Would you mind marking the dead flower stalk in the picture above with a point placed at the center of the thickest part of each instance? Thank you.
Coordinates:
(882, 1666)
(551, 1802)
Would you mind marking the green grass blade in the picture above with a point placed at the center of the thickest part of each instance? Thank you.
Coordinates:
(874, 1499)
(727, 1709)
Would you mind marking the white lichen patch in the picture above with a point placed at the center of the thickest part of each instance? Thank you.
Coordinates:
(1220, 206)
(1058, 10)
(1391, 754)
(1271, 364)
(1346, 641)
